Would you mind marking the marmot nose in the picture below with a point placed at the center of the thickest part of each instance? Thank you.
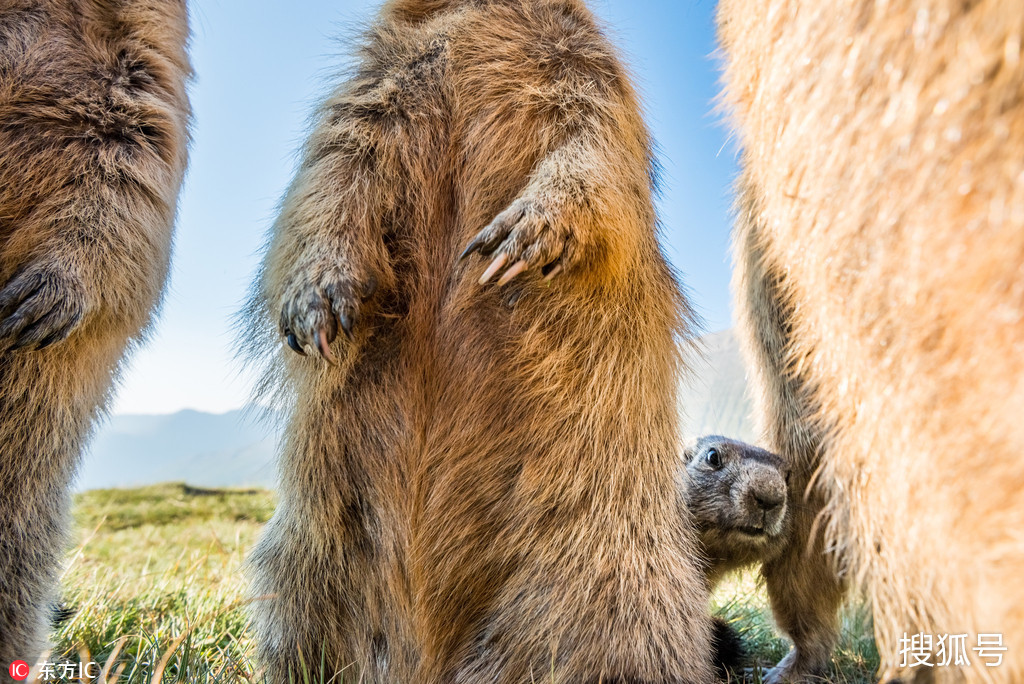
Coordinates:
(769, 501)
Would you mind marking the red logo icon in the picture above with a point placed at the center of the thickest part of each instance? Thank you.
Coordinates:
(19, 670)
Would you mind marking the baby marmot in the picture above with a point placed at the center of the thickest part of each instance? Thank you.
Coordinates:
(738, 498)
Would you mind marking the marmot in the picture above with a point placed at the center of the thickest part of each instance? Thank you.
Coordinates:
(880, 288)
(478, 471)
(738, 498)
(92, 153)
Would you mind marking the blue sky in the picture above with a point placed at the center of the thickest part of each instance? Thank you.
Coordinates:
(260, 68)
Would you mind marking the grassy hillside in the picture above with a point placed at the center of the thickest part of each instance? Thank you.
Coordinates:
(155, 581)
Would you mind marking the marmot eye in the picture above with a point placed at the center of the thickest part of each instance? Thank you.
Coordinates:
(713, 459)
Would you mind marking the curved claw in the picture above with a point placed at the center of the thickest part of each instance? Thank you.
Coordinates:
(293, 342)
(312, 313)
(470, 248)
(483, 243)
(324, 346)
(514, 270)
(348, 323)
(523, 237)
(495, 266)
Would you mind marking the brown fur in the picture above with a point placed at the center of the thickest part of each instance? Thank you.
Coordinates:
(482, 490)
(93, 117)
(880, 275)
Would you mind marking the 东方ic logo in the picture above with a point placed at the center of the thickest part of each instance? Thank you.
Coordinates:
(19, 670)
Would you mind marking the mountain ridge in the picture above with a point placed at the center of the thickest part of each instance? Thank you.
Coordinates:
(238, 449)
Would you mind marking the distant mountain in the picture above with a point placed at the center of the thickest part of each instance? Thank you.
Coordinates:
(715, 399)
(234, 450)
(204, 449)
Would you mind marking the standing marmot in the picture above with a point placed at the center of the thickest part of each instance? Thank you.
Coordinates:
(480, 485)
(92, 153)
(880, 279)
(737, 497)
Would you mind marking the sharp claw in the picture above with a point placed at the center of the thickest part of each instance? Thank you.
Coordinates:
(348, 324)
(495, 266)
(370, 289)
(293, 342)
(469, 250)
(552, 273)
(325, 347)
(512, 272)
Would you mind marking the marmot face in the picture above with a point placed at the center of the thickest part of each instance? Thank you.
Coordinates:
(737, 494)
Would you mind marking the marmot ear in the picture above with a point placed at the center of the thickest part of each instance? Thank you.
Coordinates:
(689, 451)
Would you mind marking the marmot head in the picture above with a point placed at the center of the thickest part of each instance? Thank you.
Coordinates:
(738, 497)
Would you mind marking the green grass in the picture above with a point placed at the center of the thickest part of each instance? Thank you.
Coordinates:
(153, 565)
(742, 600)
(155, 579)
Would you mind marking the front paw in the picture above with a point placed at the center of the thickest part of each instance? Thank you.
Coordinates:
(41, 305)
(527, 236)
(793, 669)
(317, 304)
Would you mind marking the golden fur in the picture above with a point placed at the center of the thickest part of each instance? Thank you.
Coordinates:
(880, 278)
(482, 489)
(93, 134)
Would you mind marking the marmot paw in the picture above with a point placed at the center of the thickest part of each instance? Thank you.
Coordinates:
(525, 236)
(315, 308)
(795, 670)
(40, 305)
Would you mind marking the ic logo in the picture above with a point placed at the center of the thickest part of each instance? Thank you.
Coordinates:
(19, 670)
